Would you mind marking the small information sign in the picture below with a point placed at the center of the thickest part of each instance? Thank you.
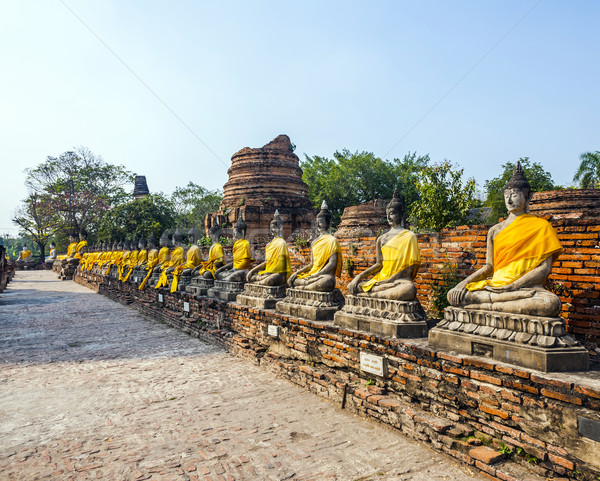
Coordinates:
(161, 299)
(186, 307)
(373, 364)
(273, 330)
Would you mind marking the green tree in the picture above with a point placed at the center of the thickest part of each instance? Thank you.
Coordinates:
(539, 179)
(151, 215)
(588, 174)
(444, 198)
(80, 187)
(37, 220)
(352, 178)
(192, 202)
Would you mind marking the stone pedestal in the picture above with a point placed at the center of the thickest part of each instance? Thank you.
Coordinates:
(540, 343)
(199, 286)
(67, 269)
(315, 306)
(261, 297)
(183, 283)
(225, 290)
(384, 317)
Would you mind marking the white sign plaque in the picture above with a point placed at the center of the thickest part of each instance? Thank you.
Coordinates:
(273, 330)
(373, 364)
(186, 307)
(160, 298)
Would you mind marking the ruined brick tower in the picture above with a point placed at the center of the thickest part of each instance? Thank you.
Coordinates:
(260, 181)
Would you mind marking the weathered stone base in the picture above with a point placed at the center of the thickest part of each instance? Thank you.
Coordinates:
(384, 317)
(199, 286)
(261, 297)
(316, 306)
(538, 343)
(225, 290)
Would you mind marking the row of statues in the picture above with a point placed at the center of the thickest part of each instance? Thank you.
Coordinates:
(507, 291)
(520, 253)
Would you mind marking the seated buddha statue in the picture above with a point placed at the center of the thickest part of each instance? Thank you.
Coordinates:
(275, 270)
(164, 252)
(326, 259)
(51, 257)
(193, 258)
(520, 253)
(25, 258)
(146, 268)
(398, 260)
(237, 270)
(177, 257)
(215, 255)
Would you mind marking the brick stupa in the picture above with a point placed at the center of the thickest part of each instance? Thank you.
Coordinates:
(260, 181)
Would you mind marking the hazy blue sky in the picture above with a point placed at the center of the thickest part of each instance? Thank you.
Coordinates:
(331, 75)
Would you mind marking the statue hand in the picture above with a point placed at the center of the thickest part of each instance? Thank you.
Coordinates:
(456, 296)
(291, 280)
(353, 287)
(498, 289)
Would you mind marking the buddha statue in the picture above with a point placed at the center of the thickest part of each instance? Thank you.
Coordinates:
(313, 294)
(326, 259)
(387, 303)
(146, 268)
(51, 256)
(215, 255)
(177, 258)
(237, 270)
(164, 256)
(266, 283)
(81, 246)
(275, 270)
(25, 259)
(398, 260)
(124, 262)
(193, 258)
(520, 253)
(502, 310)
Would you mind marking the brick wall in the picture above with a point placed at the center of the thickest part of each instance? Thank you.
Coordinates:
(465, 406)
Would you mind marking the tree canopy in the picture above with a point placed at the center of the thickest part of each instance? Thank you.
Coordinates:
(352, 178)
(192, 202)
(444, 197)
(37, 220)
(588, 173)
(151, 215)
(539, 179)
(79, 187)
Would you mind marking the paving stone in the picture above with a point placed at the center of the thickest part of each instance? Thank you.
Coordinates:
(103, 392)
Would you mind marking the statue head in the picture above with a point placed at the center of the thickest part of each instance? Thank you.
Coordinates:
(324, 219)
(239, 229)
(142, 243)
(164, 239)
(177, 237)
(192, 236)
(517, 192)
(215, 231)
(120, 246)
(395, 210)
(276, 225)
(52, 245)
(82, 235)
(72, 237)
(151, 241)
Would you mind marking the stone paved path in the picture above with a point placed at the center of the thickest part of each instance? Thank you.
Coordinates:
(90, 389)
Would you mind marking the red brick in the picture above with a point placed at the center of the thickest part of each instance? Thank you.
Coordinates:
(520, 386)
(551, 382)
(486, 455)
(486, 378)
(587, 391)
(513, 371)
(469, 361)
(449, 357)
(561, 397)
(565, 463)
(493, 411)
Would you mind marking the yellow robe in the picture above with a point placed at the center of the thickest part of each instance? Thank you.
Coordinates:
(215, 254)
(277, 258)
(80, 245)
(193, 259)
(25, 254)
(72, 249)
(322, 250)
(176, 260)
(142, 257)
(398, 253)
(133, 259)
(153, 259)
(114, 261)
(242, 257)
(123, 262)
(519, 248)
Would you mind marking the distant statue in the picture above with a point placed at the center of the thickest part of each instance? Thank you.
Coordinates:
(193, 258)
(326, 259)
(520, 253)
(215, 255)
(398, 260)
(237, 270)
(276, 268)
(177, 258)
(24, 254)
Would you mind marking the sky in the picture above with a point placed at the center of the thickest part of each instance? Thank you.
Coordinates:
(172, 89)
